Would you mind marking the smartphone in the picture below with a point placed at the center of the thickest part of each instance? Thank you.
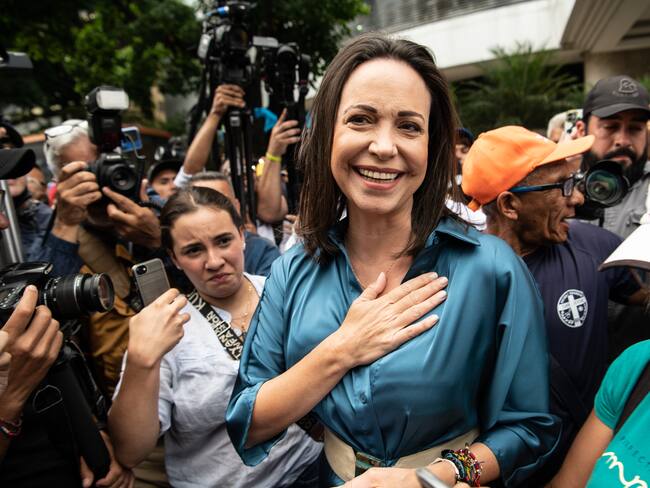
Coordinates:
(150, 279)
(131, 140)
(429, 480)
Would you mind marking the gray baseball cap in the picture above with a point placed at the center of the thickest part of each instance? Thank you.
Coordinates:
(616, 94)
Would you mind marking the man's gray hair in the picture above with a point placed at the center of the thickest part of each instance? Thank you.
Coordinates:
(54, 144)
(556, 122)
(210, 176)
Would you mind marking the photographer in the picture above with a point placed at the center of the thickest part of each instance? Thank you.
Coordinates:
(30, 342)
(271, 204)
(33, 216)
(100, 231)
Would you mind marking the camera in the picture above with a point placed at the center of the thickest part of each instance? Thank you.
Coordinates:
(68, 297)
(104, 105)
(225, 43)
(572, 118)
(603, 186)
(284, 68)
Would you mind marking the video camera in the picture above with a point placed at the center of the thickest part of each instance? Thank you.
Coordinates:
(232, 54)
(104, 105)
(603, 185)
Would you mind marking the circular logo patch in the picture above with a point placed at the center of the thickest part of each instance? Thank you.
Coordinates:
(572, 308)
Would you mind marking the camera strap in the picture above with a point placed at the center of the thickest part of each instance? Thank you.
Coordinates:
(231, 342)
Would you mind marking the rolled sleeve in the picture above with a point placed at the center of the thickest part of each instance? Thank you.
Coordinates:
(517, 425)
(262, 359)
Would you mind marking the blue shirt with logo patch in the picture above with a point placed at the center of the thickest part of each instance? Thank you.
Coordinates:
(575, 296)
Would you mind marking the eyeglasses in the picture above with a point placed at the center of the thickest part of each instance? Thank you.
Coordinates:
(567, 185)
(65, 128)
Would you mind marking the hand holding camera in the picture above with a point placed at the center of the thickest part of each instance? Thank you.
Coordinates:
(77, 188)
(133, 222)
(226, 96)
(156, 329)
(34, 343)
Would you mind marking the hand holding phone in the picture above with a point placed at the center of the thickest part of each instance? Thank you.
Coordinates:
(150, 279)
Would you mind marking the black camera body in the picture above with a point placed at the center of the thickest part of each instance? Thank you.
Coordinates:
(104, 105)
(68, 297)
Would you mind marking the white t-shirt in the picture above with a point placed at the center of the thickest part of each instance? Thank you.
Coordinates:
(476, 218)
(196, 380)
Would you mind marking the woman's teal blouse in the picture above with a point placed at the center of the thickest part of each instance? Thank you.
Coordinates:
(484, 365)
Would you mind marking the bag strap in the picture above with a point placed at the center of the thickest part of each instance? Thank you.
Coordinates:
(231, 342)
(639, 392)
(234, 344)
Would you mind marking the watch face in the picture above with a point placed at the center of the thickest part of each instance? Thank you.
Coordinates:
(429, 480)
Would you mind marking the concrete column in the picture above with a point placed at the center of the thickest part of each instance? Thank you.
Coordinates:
(603, 65)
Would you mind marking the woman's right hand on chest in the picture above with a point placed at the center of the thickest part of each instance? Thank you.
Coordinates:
(376, 325)
(156, 329)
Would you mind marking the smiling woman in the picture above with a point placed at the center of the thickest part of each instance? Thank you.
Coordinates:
(360, 351)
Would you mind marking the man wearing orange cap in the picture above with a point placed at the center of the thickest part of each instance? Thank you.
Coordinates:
(529, 188)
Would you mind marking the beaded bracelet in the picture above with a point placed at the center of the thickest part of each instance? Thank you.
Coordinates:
(469, 467)
(11, 429)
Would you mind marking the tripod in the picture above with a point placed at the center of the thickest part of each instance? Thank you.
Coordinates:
(238, 150)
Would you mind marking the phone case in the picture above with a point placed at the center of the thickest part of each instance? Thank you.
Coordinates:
(150, 279)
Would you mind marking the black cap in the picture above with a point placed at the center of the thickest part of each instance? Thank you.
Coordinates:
(464, 133)
(155, 169)
(15, 163)
(12, 136)
(613, 95)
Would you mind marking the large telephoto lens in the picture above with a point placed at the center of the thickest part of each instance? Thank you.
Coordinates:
(72, 296)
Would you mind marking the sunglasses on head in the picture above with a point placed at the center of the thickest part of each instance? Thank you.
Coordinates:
(65, 128)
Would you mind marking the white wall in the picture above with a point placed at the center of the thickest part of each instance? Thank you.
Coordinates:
(466, 40)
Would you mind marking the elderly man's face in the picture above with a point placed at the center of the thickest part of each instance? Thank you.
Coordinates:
(79, 150)
(543, 215)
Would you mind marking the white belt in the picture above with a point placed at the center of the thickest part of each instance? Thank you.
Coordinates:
(343, 459)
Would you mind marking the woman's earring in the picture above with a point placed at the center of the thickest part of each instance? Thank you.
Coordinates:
(244, 247)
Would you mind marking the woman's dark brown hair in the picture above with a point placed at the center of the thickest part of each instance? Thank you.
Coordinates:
(321, 201)
(190, 200)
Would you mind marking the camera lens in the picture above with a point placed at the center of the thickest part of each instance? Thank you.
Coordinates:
(122, 179)
(142, 269)
(604, 187)
(69, 297)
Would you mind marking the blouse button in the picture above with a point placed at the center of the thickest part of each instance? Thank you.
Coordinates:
(363, 398)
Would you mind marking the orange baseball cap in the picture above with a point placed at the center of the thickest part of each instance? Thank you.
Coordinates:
(502, 157)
